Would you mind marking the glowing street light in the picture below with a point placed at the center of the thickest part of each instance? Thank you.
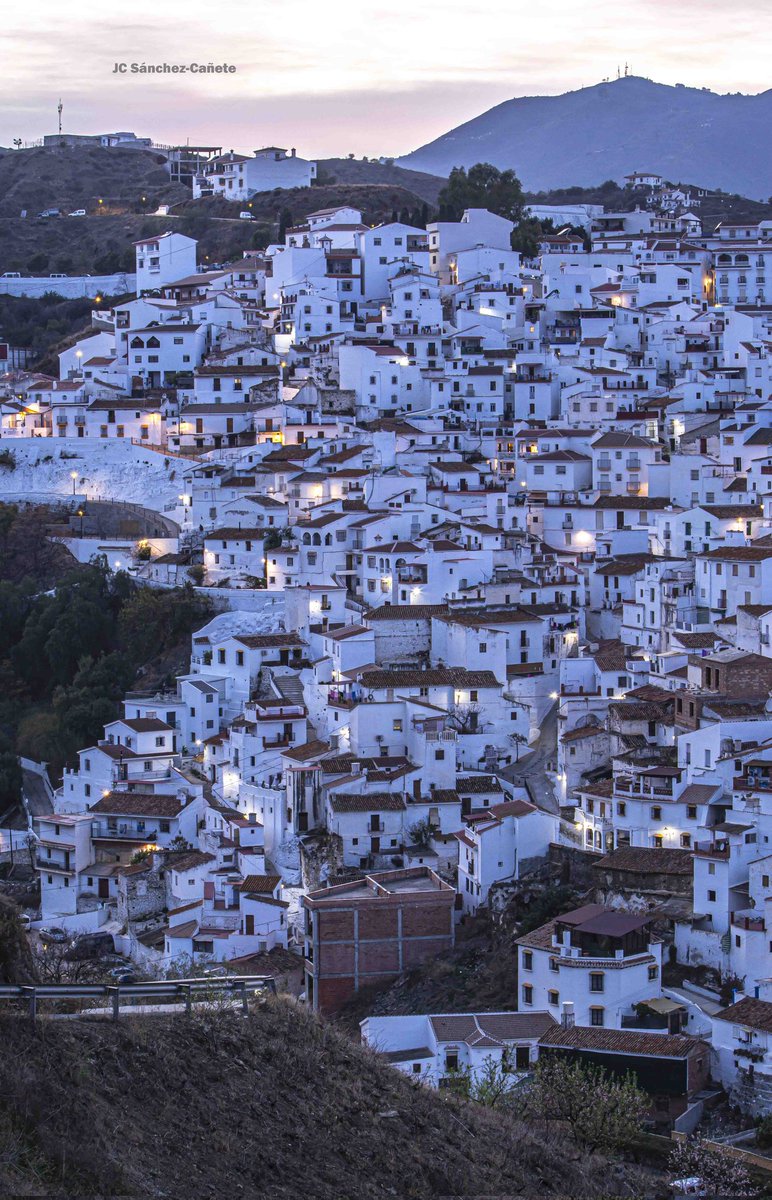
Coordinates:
(73, 477)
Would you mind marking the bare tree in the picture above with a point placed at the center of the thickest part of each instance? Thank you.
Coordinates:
(464, 718)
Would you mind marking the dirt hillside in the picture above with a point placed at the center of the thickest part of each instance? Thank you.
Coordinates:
(275, 1104)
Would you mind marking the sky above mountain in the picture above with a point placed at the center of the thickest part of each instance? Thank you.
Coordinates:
(379, 78)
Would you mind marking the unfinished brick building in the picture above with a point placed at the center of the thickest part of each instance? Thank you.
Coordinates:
(370, 930)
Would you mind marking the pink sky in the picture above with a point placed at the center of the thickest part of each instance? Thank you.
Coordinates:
(344, 78)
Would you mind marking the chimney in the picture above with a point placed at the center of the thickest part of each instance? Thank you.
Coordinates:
(567, 1017)
(293, 152)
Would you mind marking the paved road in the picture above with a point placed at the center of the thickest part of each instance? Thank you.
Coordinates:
(35, 795)
(531, 770)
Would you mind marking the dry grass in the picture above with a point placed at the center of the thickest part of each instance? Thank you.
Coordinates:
(275, 1104)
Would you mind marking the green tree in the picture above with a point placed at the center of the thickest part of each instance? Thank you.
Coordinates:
(482, 186)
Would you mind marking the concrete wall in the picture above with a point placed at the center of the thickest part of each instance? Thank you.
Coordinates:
(71, 288)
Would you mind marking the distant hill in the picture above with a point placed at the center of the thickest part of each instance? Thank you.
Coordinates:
(272, 1105)
(353, 170)
(611, 129)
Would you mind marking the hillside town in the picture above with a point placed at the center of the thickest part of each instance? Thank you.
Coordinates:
(487, 540)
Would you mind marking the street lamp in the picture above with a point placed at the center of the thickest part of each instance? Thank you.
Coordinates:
(73, 477)
(80, 514)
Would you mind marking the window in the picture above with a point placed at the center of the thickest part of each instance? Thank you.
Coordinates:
(653, 972)
(527, 993)
(656, 813)
(451, 1060)
(527, 960)
(596, 1016)
(711, 895)
(553, 998)
(596, 981)
(417, 1068)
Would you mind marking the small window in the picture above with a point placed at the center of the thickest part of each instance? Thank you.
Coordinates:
(527, 993)
(527, 960)
(596, 1016)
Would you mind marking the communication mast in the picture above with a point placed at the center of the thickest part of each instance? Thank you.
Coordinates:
(59, 110)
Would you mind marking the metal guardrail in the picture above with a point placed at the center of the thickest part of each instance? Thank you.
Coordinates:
(238, 986)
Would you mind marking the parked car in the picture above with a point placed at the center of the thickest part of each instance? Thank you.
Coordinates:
(92, 945)
(57, 275)
(25, 920)
(55, 935)
(50, 212)
(245, 216)
(79, 212)
(11, 275)
(123, 975)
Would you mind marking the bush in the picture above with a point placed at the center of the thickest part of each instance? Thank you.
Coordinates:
(7, 460)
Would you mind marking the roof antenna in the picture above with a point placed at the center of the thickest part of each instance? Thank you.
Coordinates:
(59, 110)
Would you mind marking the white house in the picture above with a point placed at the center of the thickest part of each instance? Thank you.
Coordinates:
(602, 961)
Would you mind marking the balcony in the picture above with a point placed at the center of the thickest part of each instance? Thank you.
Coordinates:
(121, 831)
(274, 743)
(52, 866)
(712, 849)
(751, 924)
(636, 787)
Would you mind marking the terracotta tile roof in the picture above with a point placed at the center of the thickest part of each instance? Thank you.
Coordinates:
(457, 677)
(362, 802)
(188, 860)
(264, 641)
(490, 1029)
(138, 804)
(184, 930)
(646, 860)
(513, 808)
(623, 1041)
(307, 752)
(756, 1014)
(260, 883)
(407, 612)
(477, 784)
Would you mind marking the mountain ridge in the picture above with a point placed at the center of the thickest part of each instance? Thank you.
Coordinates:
(613, 128)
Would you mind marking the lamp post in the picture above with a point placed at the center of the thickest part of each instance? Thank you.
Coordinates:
(73, 477)
(80, 514)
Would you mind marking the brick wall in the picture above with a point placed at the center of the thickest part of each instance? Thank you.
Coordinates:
(359, 943)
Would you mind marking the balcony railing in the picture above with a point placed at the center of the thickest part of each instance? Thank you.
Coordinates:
(712, 849)
(48, 864)
(123, 831)
(751, 924)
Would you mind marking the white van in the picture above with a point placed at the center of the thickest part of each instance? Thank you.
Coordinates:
(79, 212)
(245, 216)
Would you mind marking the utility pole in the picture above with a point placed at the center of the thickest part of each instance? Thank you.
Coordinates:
(59, 110)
